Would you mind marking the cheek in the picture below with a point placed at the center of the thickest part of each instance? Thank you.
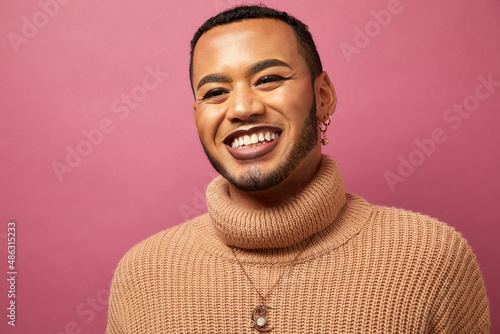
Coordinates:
(294, 101)
(208, 120)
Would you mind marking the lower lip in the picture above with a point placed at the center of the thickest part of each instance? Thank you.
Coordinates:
(252, 152)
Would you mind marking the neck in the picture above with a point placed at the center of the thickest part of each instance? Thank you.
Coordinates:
(284, 225)
(292, 185)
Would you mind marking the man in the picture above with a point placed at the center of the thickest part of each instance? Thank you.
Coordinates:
(283, 248)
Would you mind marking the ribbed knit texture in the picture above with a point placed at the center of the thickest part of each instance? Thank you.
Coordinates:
(366, 269)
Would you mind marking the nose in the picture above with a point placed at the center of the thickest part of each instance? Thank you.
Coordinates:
(244, 104)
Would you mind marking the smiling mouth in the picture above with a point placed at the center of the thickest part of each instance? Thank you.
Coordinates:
(253, 138)
(252, 143)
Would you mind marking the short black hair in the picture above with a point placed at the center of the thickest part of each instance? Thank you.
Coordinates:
(306, 46)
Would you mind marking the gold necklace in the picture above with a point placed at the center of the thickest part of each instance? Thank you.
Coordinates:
(258, 321)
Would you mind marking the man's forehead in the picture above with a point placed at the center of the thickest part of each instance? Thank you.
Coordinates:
(237, 39)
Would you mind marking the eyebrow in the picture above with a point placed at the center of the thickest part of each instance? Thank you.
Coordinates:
(213, 78)
(257, 67)
(262, 65)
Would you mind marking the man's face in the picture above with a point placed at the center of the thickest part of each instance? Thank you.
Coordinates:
(254, 109)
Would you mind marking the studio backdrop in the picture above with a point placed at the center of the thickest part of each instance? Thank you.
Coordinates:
(99, 149)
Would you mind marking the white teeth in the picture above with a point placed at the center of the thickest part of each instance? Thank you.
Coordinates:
(254, 139)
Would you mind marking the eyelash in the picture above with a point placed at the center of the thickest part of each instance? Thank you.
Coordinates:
(271, 78)
(213, 93)
(263, 80)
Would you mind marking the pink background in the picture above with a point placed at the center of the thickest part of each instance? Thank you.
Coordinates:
(66, 76)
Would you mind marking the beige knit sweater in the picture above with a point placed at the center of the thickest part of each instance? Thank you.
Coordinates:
(366, 269)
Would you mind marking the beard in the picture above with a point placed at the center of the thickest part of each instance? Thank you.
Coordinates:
(255, 179)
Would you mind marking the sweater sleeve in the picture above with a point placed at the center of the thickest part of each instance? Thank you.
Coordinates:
(461, 303)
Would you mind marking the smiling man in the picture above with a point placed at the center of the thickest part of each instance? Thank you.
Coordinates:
(283, 248)
(257, 109)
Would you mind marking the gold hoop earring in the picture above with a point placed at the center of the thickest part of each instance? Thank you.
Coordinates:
(323, 127)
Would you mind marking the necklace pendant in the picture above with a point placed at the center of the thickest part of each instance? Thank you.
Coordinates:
(258, 321)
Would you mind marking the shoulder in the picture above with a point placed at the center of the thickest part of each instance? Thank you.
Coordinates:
(444, 262)
(413, 225)
(392, 225)
(424, 241)
(436, 261)
(158, 250)
(427, 245)
(147, 268)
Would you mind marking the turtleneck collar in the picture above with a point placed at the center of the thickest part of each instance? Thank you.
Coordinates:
(303, 215)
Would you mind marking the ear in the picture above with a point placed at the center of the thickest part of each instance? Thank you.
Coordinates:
(326, 98)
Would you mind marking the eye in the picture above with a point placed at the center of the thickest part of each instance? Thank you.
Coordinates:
(214, 93)
(269, 78)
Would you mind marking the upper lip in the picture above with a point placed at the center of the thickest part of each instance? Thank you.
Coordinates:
(243, 131)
